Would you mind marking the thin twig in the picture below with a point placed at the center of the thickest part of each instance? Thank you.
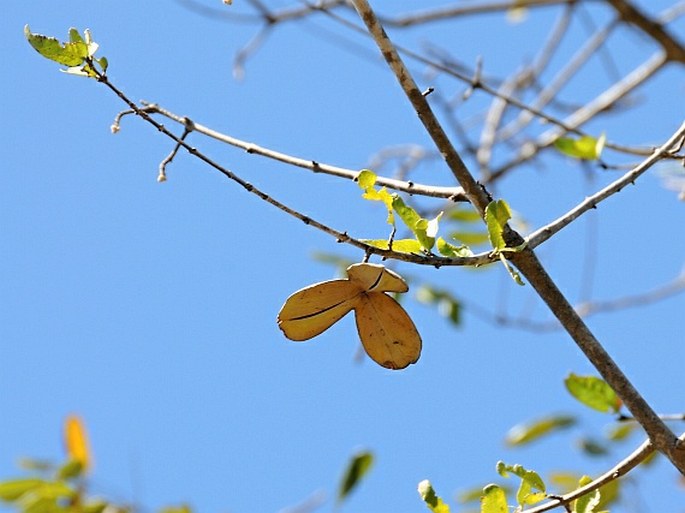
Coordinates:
(443, 13)
(622, 468)
(342, 237)
(452, 193)
(589, 111)
(542, 234)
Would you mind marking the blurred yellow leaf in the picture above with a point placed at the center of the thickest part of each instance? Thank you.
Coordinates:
(76, 441)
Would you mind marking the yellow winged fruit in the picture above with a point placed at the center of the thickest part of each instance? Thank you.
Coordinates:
(387, 332)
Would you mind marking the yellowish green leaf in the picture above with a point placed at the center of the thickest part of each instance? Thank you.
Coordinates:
(593, 392)
(357, 468)
(434, 503)
(493, 500)
(525, 433)
(584, 148)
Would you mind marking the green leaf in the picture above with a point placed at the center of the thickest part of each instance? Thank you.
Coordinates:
(103, 62)
(448, 305)
(532, 488)
(621, 431)
(434, 503)
(54, 490)
(36, 465)
(424, 230)
(357, 468)
(400, 245)
(183, 508)
(463, 215)
(74, 36)
(522, 434)
(14, 488)
(366, 178)
(497, 213)
(71, 469)
(452, 251)
(36, 504)
(96, 506)
(593, 392)
(584, 148)
(588, 502)
(592, 447)
(473, 238)
(69, 54)
(493, 500)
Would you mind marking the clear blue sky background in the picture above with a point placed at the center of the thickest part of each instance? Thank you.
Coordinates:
(150, 308)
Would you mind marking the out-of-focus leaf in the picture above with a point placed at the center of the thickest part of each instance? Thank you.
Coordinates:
(36, 504)
(621, 430)
(463, 215)
(584, 148)
(12, 489)
(76, 441)
(183, 508)
(448, 305)
(97, 506)
(609, 494)
(532, 488)
(400, 245)
(475, 493)
(434, 503)
(588, 502)
(70, 470)
(36, 465)
(592, 447)
(522, 434)
(53, 490)
(474, 238)
(340, 263)
(593, 392)
(563, 482)
(493, 500)
(452, 251)
(357, 468)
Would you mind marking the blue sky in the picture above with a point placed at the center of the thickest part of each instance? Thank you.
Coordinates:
(150, 308)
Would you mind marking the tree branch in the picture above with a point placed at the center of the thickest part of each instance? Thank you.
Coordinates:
(526, 260)
(542, 234)
(631, 14)
(455, 194)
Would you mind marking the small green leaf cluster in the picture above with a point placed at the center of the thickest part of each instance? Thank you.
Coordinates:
(424, 230)
(50, 489)
(78, 53)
